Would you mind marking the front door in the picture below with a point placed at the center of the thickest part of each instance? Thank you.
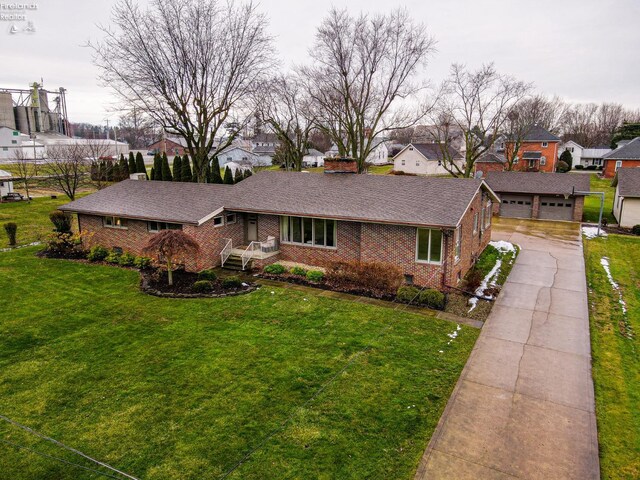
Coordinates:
(252, 228)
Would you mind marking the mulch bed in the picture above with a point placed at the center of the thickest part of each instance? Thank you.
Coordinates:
(618, 230)
(156, 282)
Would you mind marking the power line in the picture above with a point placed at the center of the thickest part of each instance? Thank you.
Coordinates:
(57, 458)
(60, 444)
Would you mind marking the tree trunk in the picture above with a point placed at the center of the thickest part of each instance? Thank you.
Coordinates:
(170, 272)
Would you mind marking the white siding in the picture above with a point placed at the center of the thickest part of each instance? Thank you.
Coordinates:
(412, 161)
(379, 155)
(630, 212)
(6, 186)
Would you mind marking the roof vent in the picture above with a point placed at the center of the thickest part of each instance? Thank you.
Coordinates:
(340, 165)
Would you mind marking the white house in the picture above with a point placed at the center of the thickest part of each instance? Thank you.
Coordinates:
(13, 144)
(313, 158)
(593, 156)
(379, 154)
(235, 166)
(574, 148)
(626, 202)
(6, 183)
(238, 155)
(423, 159)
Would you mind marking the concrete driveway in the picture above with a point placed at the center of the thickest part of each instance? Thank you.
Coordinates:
(523, 406)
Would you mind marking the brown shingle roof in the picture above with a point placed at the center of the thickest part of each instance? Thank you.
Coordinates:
(628, 151)
(537, 183)
(374, 198)
(628, 181)
(152, 200)
(432, 151)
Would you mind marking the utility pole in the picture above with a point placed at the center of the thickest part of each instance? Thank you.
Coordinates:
(601, 195)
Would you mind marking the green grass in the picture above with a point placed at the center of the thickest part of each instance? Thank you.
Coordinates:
(32, 218)
(164, 388)
(592, 202)
(616, 359)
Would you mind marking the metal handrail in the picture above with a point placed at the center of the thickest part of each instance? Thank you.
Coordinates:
(247, 255)
(226, 251)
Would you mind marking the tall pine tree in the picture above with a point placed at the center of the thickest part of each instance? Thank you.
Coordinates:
(140, 168)
(124, 168)
(228, 176)
(166, 171)
(248, 173)
(186, 169)
(216, 177)
(157, 167)
(238, 175)
(177, 169)
(132, 163)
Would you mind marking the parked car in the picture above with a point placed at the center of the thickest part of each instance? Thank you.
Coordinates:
(13, 197)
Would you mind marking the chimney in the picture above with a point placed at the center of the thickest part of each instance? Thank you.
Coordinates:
(340, 165)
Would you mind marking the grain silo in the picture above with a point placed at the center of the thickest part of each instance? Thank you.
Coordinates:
(7, 118)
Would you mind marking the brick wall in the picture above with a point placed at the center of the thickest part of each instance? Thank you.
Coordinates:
(609, 169)
(550, 152)
(578, 209)
(347, 165)
(485, 167)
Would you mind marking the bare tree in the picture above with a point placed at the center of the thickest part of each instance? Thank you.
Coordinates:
(192, 66)
(474, 105)
(26, 168)
(286, 108)
(136, 128)
(67, 166)
(363, 78)
(169, 246)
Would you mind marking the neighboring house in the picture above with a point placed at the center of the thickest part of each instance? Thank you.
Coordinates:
(626, 202)
(235, 166)
(538, 151)
(171, 145)
(265, 154)
(238, 155)
(332, 152)
(379, 154)
(433, 229)
(626, 155)
(313, 158)
(265, 140)
(6, 183)
(14, 143)
(545, 196)
(423, 159)
(489, 162)
(593, 157)
(574, 148)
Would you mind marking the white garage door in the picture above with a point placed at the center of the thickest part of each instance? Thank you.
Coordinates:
(556, 208)
(516, 206)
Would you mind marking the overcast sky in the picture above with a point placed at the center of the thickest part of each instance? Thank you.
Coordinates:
(581, 50)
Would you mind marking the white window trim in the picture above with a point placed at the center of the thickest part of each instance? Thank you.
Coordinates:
(117, 227)
(476, 220)
(618, 164)
(235, 218)
(313, 233)
(429, 262)
(221, 221)
(458, 243)
(545, 144)
(543, 161)
(161, 229)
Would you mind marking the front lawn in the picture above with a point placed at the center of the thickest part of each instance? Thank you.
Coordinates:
(616, 351)
(279, 383)
(592, 202)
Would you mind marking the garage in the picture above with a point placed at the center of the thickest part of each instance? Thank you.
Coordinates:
(556, 208)
(516, 206)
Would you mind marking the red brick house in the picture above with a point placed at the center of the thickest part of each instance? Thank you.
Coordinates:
(627, 155)
(432, 228)
(538, 151)
(489, 162)
(172, 146)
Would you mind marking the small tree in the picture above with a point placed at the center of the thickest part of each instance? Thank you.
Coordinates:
(26, 170)
(166, 171)
(169, 246)
(132, 163)
(247, 173)
(177, 169)
(140, 168)
(157, 167)
(215, 171)
(239, 176)
(562, 167)
(567, 158)
(61, 221)
(124, 168)
(228, 176)
(11, 229)
(186, 169)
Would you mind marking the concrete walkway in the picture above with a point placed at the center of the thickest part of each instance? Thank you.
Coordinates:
(523, 406)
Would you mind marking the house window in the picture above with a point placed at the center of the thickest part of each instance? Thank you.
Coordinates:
(157, 226)
(231, 218)
(458, 237)
(417, 163)
(532, 163)
(318, 232)
(487, 216)
(571, 149)
(515, 160)
(229, 159)
(403, 161)
(429, 245)
(475, 223)
(218, 221)
(543, 160)
(16, 133)
(14, 142)
(545, 144)
(114, 222)
(618, 164)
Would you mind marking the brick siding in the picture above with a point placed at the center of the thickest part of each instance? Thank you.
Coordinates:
(550, 152)
(609, 169)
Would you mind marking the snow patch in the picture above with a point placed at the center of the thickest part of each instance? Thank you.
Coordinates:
(502, 246)
(592, 232)
(32, 244)
(604, 261)
(490, 279)
(453, 335)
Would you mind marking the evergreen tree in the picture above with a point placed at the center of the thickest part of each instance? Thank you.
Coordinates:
(153, 173)
(140, 168)
(216, 177)
(248, 173)
(157, 167)
(166, 171)
(186, 169)
(116, 176)
(238, 176)
(132, 163)
(209, 173)
(124, 168)
(567, 158)
(177, 169)
(228, 176)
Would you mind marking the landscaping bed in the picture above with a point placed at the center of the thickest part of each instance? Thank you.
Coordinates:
(191, 285)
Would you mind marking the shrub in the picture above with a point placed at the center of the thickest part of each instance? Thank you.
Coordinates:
(315, 276)
(61, 221)
(579, 167)
(563, 167)
(298, 271)
(97, 254)
(635, 230)
(208, 275)
(375, 277)
(11, 229)
(274, 269)
(142, 262)
(113, 257)
(127, 260)
(432, 299)
(202, 286)
(600, 167)
(591, 167)
(407, 293)
(231, 282)
(65, 245)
